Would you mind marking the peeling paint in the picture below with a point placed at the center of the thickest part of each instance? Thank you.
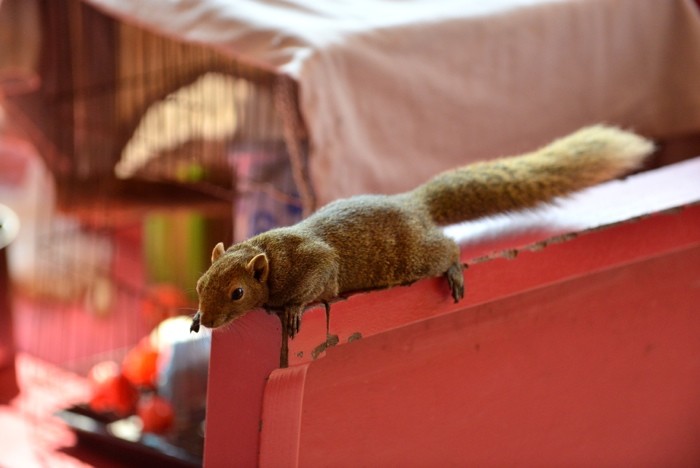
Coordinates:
(537, 246)
(482, 259)
(354, 337)
(541, 245)
(509, 254)
(331, 340)
(562, 238)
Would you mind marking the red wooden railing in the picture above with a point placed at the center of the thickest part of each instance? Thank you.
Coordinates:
(576, 343)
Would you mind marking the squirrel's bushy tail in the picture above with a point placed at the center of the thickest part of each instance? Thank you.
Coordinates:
(587, 157)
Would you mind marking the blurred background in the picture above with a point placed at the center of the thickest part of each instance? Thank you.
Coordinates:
(125, 156)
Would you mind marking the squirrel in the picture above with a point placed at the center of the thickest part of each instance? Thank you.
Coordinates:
(377, 241)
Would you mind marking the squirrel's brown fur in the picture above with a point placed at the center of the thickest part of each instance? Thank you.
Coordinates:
(377, 241)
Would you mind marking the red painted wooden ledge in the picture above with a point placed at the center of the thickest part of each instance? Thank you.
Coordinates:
(576, 343)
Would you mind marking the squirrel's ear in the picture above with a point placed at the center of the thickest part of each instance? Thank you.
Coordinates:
(217, 252)
(259, 267)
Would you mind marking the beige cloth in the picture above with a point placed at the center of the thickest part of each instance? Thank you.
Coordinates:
(395, 91)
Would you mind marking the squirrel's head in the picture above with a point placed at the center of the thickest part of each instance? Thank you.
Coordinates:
(235, 283)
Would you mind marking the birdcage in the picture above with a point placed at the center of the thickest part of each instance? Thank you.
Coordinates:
(158, 150)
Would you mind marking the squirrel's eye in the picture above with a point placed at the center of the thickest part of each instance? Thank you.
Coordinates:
(236, 294)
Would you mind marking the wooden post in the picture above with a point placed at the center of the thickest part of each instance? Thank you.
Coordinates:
(242, 358)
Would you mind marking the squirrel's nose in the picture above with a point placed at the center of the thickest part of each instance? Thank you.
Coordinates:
(208, 320)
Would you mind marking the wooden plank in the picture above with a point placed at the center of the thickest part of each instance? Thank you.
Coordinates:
(599, 370)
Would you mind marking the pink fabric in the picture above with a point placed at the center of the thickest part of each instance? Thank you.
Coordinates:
(393, 92)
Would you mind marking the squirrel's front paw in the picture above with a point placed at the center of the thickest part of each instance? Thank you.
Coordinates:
(293, 320)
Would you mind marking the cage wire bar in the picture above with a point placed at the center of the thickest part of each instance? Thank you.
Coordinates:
(158, 149)
(130, 122)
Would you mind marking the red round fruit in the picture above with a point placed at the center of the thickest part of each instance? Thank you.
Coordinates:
(156, 414)
(112, 392)
(140, 365)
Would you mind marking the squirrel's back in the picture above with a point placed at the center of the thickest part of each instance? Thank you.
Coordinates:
(377, 241)
(582, 159)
